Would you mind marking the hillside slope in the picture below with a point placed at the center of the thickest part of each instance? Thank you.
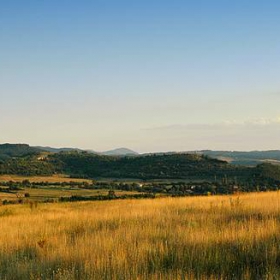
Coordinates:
(145, 167)
(21, 159)
(8, 151)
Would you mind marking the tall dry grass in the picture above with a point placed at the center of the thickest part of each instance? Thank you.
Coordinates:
(171, 238)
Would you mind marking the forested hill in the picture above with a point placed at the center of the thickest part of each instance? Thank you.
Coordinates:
(8, 151)
(145, 167)
(22, 159)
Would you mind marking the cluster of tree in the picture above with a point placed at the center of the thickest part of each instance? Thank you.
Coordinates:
(227, 186)
(27, 183)
(27, 166)
(268, 173)
(110, 196)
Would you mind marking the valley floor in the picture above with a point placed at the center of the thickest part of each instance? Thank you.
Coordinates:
(60, 178)
(216, 237)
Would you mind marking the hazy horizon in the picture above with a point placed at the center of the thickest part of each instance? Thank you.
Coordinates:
(151, 76)
(140, 153)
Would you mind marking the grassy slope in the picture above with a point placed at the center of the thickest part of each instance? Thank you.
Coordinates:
(184, 238)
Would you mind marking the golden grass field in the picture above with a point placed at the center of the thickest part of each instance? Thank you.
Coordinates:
(50, 179)
(217, 237)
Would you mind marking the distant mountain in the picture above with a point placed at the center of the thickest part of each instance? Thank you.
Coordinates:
(115, 152)
(120, 152)
(56, 150)
(251, 158)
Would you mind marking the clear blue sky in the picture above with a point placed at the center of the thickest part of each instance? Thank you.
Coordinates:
(148, 75)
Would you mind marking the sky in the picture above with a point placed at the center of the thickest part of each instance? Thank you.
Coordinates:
(150, 75)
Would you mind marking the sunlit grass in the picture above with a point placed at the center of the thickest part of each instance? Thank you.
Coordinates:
(59, 178)
(170, 238)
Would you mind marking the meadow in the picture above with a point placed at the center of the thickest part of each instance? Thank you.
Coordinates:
(55, 193)
(59, 178)
(215, 237)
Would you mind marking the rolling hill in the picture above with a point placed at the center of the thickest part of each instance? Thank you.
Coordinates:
(21, 159)
(8, 151)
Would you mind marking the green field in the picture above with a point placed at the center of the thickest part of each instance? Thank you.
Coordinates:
(42, 194)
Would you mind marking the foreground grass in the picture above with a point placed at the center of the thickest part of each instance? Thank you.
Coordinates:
(169, 238)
